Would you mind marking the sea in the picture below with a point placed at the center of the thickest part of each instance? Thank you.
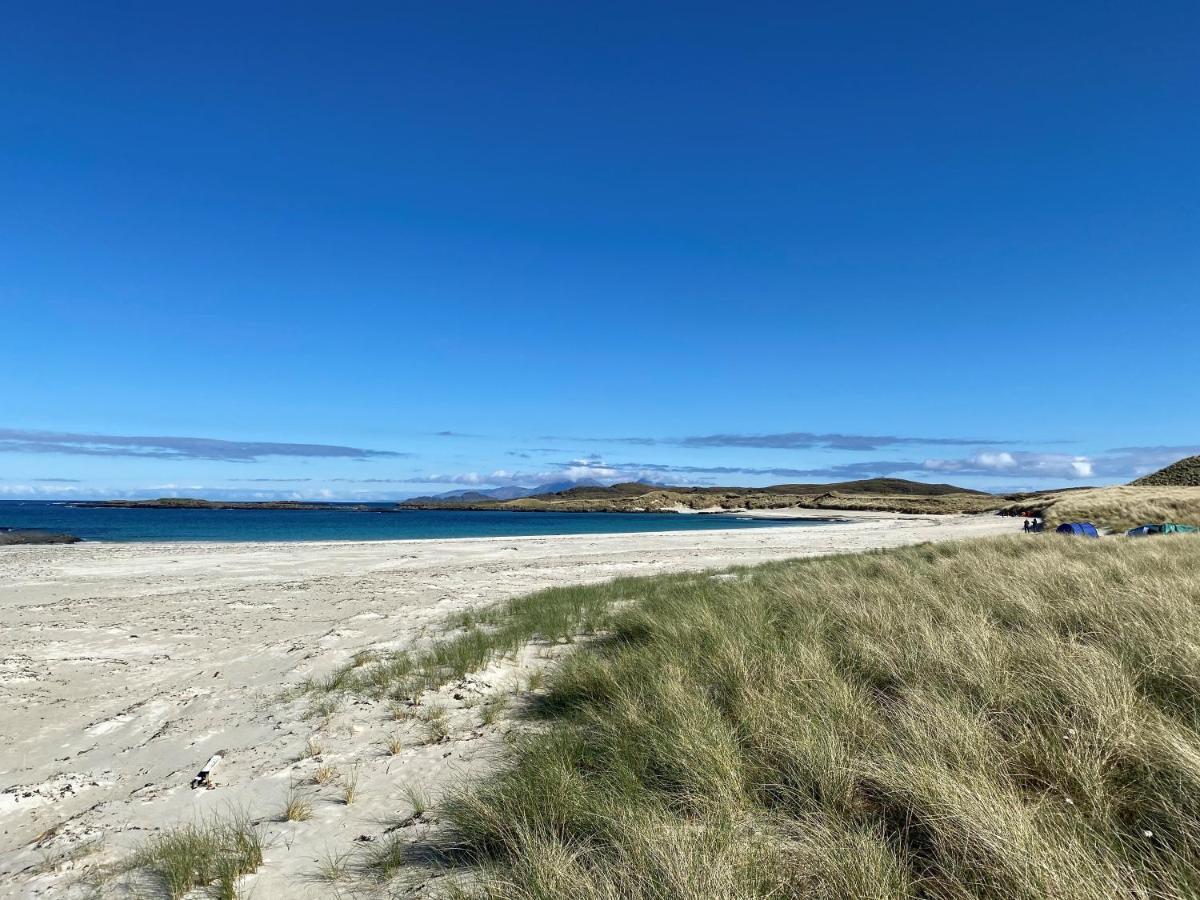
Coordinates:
(134, 525)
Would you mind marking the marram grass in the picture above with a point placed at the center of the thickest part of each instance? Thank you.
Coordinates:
(211, 855)
(557, 614)
(1012, 718)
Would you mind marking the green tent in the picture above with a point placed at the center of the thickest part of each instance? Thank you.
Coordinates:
(1164, 528)
(1172, 528)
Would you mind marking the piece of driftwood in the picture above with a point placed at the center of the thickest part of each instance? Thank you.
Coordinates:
(202, 778)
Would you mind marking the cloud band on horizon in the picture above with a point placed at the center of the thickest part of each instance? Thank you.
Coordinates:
(1122, 464)
(797, 440)
(15, 440)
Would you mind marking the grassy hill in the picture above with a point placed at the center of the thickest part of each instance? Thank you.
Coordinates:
(622, 491)
(1185, 473)
(873, 486)
(879, 494)
(877, 487)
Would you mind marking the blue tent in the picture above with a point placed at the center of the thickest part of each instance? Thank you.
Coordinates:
(1144, 530)
(1080, 529)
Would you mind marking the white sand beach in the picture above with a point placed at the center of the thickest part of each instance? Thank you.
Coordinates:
(123, 667)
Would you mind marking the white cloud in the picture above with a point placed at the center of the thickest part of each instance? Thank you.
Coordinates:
(997, 461)
(1017, 464)
(590, 468)
(580, 471)
(498, 478)
(1082, 467)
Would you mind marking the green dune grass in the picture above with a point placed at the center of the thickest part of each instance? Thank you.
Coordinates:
(1012, 718)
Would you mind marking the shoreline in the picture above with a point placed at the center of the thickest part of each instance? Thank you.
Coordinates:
(755, 514)
(124, 666)
(665, 521)
(283, 543)
(781, 515)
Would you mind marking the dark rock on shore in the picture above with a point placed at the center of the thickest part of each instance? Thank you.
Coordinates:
(9, 536)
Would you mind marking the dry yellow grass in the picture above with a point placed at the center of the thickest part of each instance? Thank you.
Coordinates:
(324, 774)
(1118, 508)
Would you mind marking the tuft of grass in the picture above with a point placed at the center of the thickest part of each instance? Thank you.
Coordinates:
(211, 855)
(417, 797)
(437, 729)
(297, 806)
(401, 712)
(394, 745)
(537, 679)
(998, 719)
(324, 709)
(387, 857)
(324, 774)
(491, 709)
(313, 748)
(333, 866)
(361, 658)
(350, 786)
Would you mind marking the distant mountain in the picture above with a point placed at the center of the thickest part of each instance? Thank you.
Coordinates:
(470, 496)
(593, 490)
(882, 494)
(1185, 473)
(890, 486)
(557, 487)
(512, 492)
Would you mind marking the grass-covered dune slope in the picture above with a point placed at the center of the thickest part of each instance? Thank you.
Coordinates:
(1171, 494)
(1184, 473)
(1116, 508)
(1012, 718)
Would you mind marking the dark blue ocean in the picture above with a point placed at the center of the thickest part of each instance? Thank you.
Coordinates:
(345, 525)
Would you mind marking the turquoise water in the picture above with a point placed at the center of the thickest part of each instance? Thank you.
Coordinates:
(346, 525)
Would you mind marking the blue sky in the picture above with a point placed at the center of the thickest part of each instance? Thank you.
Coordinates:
(371, 250)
